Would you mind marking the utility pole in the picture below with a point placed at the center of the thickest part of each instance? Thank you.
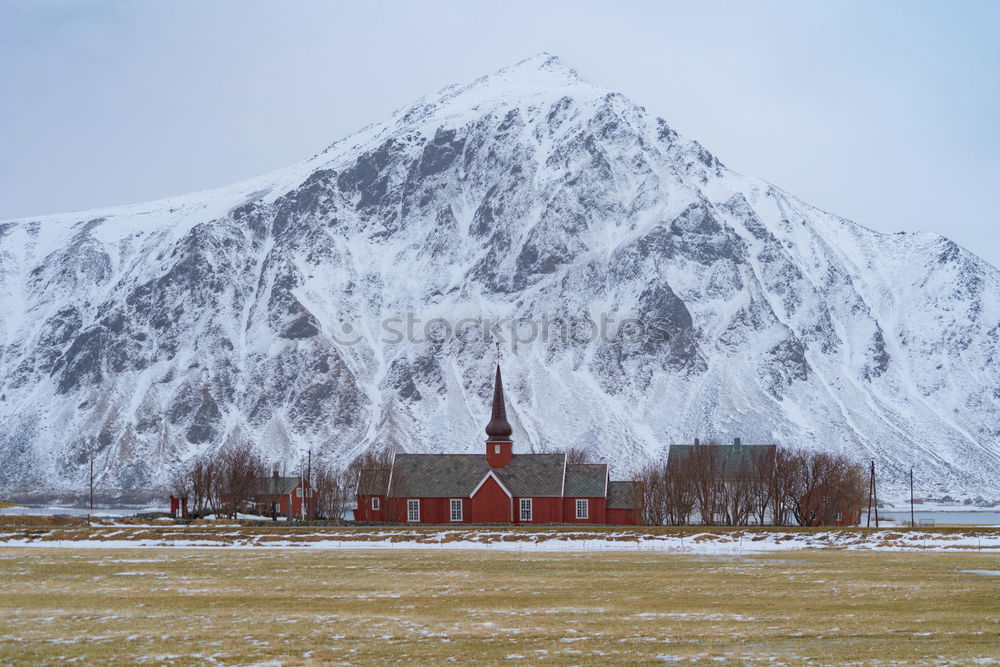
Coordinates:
(871, 489)
(875, 493)
(912, 521)
(91, 487)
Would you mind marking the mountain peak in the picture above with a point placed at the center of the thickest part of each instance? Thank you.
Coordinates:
(542, 70)
(543, 61)
(542, 74)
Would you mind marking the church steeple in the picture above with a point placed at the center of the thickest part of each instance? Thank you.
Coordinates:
(499, 428)
(499, 447)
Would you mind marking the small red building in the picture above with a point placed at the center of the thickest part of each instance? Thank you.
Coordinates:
(500, 487)
(178, 507)
(287, 496)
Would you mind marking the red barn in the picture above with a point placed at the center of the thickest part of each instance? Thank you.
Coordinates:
(498, 487)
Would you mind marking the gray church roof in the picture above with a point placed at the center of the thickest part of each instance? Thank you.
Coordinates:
(436, 475)
(456, 475)
(373, 482)
(586, 480)
(534, 475)
(623, 495)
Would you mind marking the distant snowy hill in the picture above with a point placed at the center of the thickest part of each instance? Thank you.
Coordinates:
(143, 335)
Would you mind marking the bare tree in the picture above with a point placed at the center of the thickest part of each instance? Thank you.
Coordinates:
(374, 460)
(239, 474)
(202, 475)
(578, 455)
(819, 488)
(680, 491)
(334, 488)
(771, 483)
(735, 492)
(787, 463)
(667, 491)
(704, 470)
(762, 465)
(181, 485)
(654, 493)
(840, 489)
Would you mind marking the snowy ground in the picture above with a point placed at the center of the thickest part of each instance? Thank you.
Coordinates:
(690, 541)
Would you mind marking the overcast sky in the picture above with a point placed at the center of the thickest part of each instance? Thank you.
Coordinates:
(886, 113)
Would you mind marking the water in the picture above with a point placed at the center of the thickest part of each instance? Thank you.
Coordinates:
(76, 511)
(939, 518)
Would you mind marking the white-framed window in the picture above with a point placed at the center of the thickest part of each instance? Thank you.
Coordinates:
(582, 508)
(839, 517)
(456, 509)
(496, 449)
(376, 503)
(525, 509)
(298, 492)
(413, 509)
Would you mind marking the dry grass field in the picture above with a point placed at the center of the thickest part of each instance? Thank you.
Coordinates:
(246, 606)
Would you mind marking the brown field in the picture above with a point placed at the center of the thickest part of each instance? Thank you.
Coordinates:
(175, 606)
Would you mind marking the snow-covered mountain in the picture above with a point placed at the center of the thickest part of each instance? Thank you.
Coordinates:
(143, 335)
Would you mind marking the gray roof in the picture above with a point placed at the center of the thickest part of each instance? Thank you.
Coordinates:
(535, 475)
(436, 475)
(373, 482)
(727, 457)
(278, 486)
(586, 480)
(456, 475)
(624, 495)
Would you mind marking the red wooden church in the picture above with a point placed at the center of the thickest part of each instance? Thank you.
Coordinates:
(500, 487)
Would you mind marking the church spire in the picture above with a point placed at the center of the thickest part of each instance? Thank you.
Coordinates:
(498, 429)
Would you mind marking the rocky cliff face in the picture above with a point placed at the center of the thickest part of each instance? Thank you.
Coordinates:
(272, 310)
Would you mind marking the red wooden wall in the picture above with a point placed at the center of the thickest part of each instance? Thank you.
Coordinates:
(491, 504)
(432, 510)
(596, 513)
(622, 517)
(543, 510)
(364, 511)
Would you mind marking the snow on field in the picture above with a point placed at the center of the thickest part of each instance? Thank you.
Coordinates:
(711, 543)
